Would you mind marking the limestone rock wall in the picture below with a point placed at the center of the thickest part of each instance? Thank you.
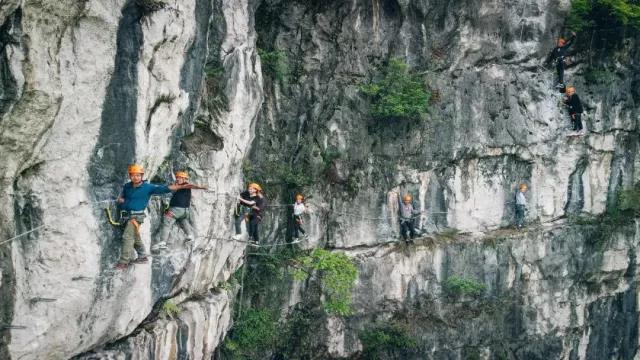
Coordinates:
(89, 87)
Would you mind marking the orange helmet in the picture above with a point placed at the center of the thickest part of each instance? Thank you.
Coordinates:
(135, 169)
(523, 186)
(299, 197)
(570, 89)
(182, 174)
(561, 41)
(254, 186)
(406, 198)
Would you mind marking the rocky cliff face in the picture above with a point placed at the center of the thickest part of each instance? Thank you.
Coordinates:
(88, 87)
(495, 120)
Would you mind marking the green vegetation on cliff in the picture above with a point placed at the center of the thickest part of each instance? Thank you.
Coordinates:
(399, 94)
(336, 273)
(588, 14)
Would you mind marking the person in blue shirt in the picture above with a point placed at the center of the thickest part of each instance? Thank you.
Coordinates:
(132, 202)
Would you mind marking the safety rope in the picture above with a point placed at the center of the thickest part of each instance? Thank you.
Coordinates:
(21, 235)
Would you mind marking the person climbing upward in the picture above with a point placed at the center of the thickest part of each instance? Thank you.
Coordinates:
(132, 202)
(299, 208)
(256, 204)
(521, 205)
(407, 215)
(178, 211)
(558, 54)
(573, 103)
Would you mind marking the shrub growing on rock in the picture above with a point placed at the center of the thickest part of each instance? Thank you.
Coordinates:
(399, 94)
(587, 14)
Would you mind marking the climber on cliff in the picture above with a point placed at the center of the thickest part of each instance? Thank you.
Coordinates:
(254, 200)
(558, 54)
(407, 218)
(521, 205)
(132, 202)
(573, 103)
(241, 213)
(178, 211)
(299, 209)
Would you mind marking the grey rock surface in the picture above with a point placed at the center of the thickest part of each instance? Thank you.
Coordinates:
(90, 87)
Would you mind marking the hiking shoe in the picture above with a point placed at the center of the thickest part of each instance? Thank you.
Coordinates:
(141, 260)
(121, 266)
(237, 237)
(559, 85)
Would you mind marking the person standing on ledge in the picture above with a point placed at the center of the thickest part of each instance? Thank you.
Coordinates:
(558, 54)
(572, 101)
(407, 214)
(178, 211)
(256, 204)
(521, 205)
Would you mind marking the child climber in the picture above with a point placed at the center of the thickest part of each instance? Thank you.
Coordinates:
(558, 54)
(178, 211)
(573, 103)
(132, 203)
(256, 204)
(407, 214)
(299, 208)
(521, 205)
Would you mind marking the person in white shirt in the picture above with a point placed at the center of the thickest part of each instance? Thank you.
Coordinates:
(521, 205)
(298, 209)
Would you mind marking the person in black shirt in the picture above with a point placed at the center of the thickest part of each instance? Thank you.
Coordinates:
(558, 54)
(256, 204)
(572, 101)
(178, 211)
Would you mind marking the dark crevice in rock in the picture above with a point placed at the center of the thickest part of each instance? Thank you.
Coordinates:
(164, 99)
(10, 33)
(8, 95)
(575, 192)
(115, 148)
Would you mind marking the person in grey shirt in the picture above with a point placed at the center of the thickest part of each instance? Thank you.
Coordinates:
(407, 214)
(521, 205)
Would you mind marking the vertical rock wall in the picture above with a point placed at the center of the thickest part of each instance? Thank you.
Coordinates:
(90, 87)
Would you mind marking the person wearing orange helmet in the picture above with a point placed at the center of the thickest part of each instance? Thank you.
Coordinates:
(252, 199)
(299, 209)
(521, 205)
(132, 203)
(558, 54)
(178, 211)
(407, 216)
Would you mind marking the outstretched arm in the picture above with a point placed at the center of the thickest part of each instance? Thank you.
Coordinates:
(246, 202)
(176, 187)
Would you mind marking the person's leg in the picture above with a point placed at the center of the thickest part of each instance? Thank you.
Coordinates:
(412, 229)
(138, 245)
(238, 216)
(578, 122)
(403, 230)
(560, 70)
(182, 217)
(519, 215)
(296, 228)
(168, 219)
(253, 228)
(128, 239)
